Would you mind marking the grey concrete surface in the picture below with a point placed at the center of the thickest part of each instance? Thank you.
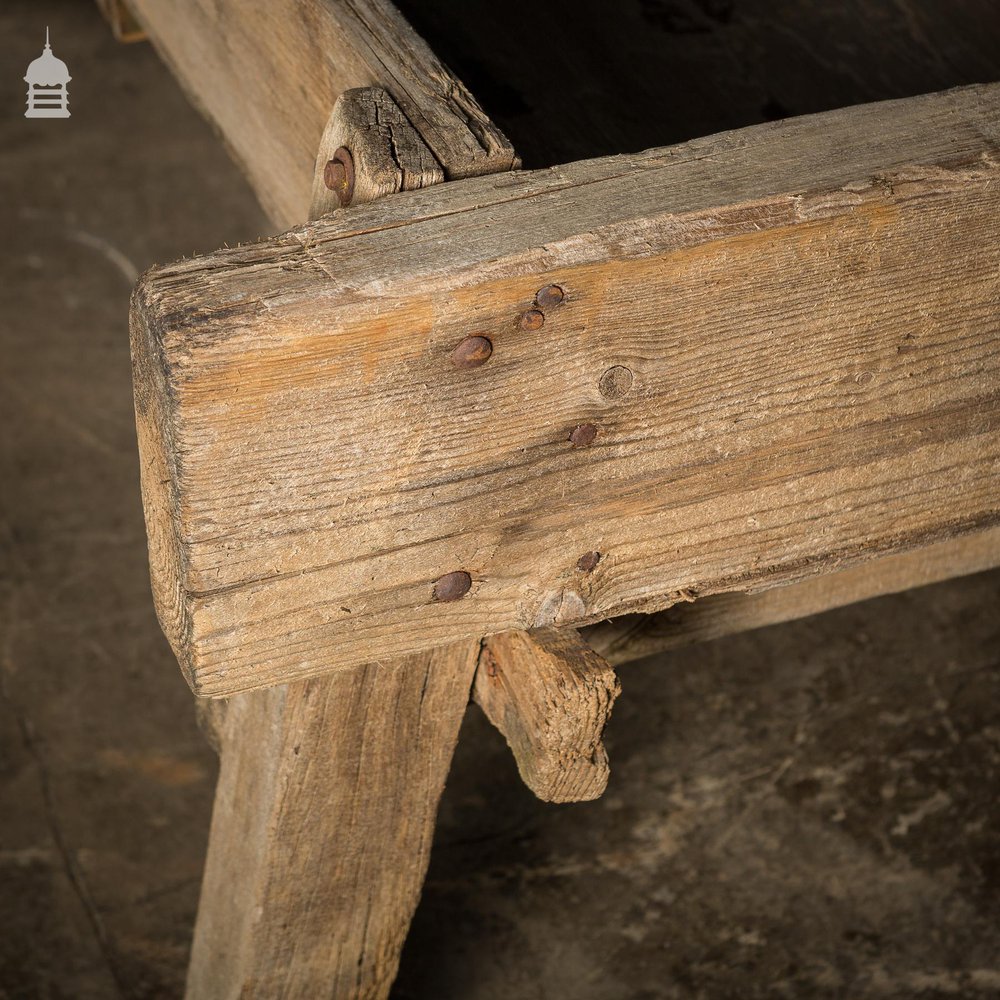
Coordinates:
(810, 810)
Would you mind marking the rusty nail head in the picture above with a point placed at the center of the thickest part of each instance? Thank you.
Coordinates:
(472, 352)
(532, 319)
(550, 295)
(588, 561)
(338, 175)
(582, 435)
(452, 586)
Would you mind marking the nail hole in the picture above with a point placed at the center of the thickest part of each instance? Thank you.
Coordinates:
(615, 382)
(472, 352)
(532, 319)
(550, 295)
(582, 435)
(452, 586)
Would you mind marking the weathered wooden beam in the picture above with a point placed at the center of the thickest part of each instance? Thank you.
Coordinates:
(550, 695)
(267, 73)
(727, 365)
(322, 828)
(632, 637)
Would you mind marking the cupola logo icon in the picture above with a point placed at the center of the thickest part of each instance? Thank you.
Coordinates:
(47, 79)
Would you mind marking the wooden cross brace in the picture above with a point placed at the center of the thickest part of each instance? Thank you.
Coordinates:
(517, 403)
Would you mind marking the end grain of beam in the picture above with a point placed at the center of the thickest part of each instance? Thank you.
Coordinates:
(550, 695)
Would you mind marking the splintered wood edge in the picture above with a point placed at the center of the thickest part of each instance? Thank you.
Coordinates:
(551, 696)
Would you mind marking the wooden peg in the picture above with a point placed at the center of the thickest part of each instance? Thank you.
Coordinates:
(369, 149)
(550, 695)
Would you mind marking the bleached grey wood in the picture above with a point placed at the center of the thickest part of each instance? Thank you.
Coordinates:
(386, 153)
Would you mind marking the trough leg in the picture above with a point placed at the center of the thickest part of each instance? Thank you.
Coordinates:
(322, 828)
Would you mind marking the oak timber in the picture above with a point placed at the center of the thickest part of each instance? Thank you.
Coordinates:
(631, 637)
(808, 311)
(322, 829)
(267, 74)
(551, 696)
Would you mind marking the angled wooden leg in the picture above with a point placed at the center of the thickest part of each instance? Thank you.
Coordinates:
(322, 828)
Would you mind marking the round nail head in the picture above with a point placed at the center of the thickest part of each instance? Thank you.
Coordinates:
(550, 295)
(338, 175)
(582, 435)
(533, 319)
(588, 561)
(615, 382)
(452, 586)
(472, 352)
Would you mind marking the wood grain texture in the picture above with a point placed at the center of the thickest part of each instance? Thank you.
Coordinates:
(808, 312)
(322, 829)
(551, 696)
(631, 637)
(268, 72)
(387, 152)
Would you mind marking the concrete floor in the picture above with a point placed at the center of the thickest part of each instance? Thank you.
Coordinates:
(810, 810)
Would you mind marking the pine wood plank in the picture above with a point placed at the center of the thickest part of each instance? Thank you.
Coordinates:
(322, 829)
(806, 314)
(267, 74)
(551, 696)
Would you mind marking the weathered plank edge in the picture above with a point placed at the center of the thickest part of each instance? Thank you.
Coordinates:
(597, 196)
(632, 637)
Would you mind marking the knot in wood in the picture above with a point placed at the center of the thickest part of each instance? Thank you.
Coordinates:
(615, 382)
